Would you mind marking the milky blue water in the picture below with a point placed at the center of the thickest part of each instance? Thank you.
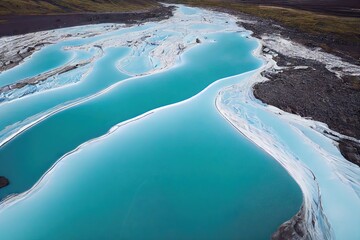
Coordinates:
(181, 172)
(130, 99)
(49, 58)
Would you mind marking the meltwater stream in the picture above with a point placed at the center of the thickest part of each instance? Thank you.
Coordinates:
(171, 167)
(46, 142)
(181, 172)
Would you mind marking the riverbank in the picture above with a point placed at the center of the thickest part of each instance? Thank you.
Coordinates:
(311, 83)
(22, 24)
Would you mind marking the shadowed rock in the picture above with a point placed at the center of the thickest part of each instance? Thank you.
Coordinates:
(4, 182)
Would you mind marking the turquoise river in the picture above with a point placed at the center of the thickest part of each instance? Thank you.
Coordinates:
(131, 144)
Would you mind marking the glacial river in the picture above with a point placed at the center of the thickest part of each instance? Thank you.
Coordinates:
(144, 142)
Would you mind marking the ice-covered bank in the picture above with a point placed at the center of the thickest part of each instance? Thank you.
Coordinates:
(330, 184)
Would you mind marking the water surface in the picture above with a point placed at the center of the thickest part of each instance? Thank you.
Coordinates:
(180, 171)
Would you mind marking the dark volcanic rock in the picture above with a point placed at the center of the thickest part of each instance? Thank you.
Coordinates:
(314, 92)
(293, 229)
(350, 150)
(4, 182)
(319, 94)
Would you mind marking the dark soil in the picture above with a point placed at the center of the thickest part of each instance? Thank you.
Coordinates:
(15, 24)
